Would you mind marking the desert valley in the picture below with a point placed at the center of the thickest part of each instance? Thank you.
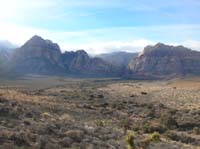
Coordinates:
(53, 100)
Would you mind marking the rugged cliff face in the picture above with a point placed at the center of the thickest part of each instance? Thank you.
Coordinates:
(166, 60)
(80, 62)
(37, 56)
(41, 56)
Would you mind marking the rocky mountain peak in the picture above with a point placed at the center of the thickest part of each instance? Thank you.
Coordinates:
(37, 41)
(165, 60)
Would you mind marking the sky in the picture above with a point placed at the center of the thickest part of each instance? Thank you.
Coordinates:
(101, 26)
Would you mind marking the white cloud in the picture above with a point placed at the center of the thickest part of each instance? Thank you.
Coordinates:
(110, 46)
(193, 44)
(108, 39)
(20, 34)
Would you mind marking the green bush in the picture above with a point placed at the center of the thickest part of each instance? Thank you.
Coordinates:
(130, 140)
(155, 137)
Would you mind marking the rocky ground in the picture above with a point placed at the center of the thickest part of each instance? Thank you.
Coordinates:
(92, 114)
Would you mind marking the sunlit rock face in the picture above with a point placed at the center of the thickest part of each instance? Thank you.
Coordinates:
(166, 60)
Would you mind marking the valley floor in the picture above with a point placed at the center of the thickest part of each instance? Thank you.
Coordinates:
(54, 112)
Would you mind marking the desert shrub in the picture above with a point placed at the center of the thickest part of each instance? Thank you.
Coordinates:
(153, 127)
(168, 121)
(144, 93)
(100, 123)
(151, 113)
(100, 96)
(180, 137)
(160, 105)
(66, 142)
(46, 115)
(125, 124)
(50, 145)
(133, 95)
(130, 140)
(76, 135)
(155, 137)
(91, 96)
(20, 139)
(136, 128)
(196, 130)
(146, 128)
(144, 144)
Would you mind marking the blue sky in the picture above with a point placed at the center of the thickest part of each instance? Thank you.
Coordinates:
(101, 25)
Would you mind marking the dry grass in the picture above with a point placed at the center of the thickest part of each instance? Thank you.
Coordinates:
(78, 114)
(176, 94)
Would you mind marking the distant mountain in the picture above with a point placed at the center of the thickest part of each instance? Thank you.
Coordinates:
(79, 62)
(166, 60)
(4, 56)
(38, 56)
(119, 58)
(6, 45)
(6, 48)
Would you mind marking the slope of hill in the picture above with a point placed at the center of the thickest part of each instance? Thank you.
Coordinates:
(166, 60)
(6, 48)
(6, 45)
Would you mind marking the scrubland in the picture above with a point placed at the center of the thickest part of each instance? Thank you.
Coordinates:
(58, 112)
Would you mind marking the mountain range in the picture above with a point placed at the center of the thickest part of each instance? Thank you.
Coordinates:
(40, 56)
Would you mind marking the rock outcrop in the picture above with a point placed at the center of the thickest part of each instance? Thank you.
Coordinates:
(80, 62)
(38, 56)
(166, 60)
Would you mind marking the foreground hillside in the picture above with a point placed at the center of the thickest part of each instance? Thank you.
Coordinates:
(72, 113)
